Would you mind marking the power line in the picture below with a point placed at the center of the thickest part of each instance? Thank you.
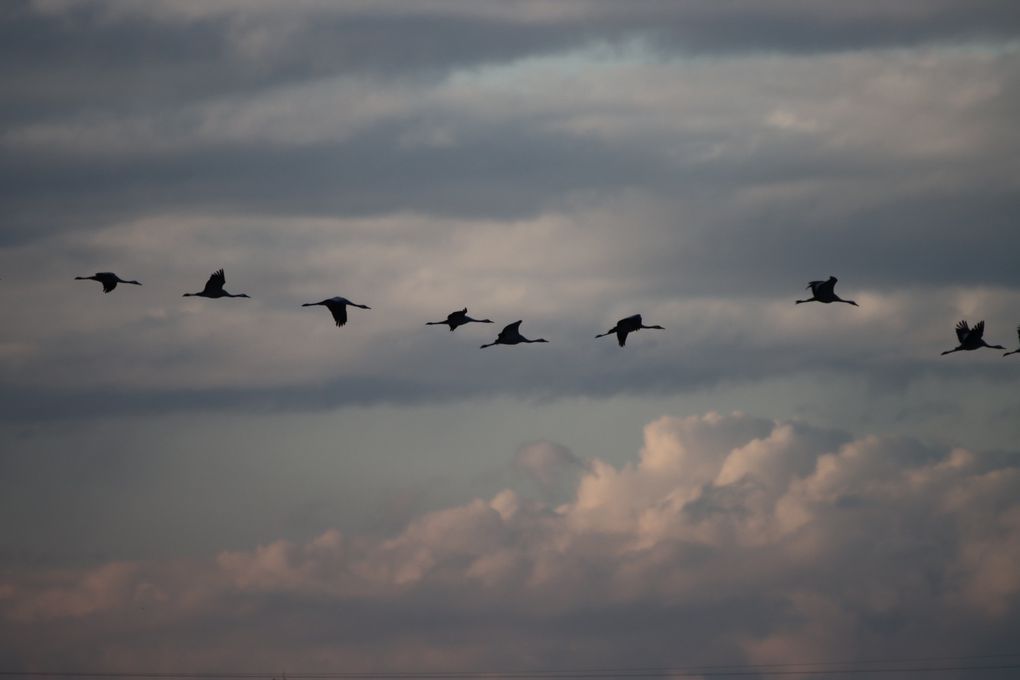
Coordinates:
(659, 673)
(798, 669)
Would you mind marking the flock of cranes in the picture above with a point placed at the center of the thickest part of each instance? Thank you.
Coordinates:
(821, 291)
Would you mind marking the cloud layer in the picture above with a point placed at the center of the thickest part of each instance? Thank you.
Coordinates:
(568, 165)
(730, 538)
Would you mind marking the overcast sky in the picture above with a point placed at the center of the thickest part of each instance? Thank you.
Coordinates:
(191, 484)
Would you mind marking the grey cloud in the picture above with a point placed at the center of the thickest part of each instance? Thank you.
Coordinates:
(105, 56)
(196, 358)
(368, 175)
(698, 192)
(385, 36)
(739, 196)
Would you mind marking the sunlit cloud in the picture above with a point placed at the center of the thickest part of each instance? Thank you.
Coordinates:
(726, 512)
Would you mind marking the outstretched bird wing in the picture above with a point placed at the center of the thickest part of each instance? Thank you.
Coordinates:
(510, 330)
(625, 326)
(215, 282)
(1018, 331)
(978, 331)
(962, 331)
(826, 288)
(339, 312)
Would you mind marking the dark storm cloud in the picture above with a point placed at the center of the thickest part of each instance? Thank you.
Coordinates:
(116, 63)
(939, 237)
(697, 191)
(795, 26)
(571, 372)
(194, 51)
(517, 174)
(85, 58)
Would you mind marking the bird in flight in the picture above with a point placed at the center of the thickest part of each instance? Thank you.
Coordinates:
(511, 335)
(454, 319)
(824, 291)
(214, 288)
(337, 306)
(971, 338)
(1016, 350)
(108, 279)
(625, 326)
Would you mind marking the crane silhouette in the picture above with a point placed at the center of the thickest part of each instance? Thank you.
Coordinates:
(214, 288)
(625, 326)
(337, 306)
(511, 335)
(108, 279)
(455, 319)
(971, 338)
(824, 292)
(1016, 350)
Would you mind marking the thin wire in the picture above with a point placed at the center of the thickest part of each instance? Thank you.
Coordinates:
(736, 670)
